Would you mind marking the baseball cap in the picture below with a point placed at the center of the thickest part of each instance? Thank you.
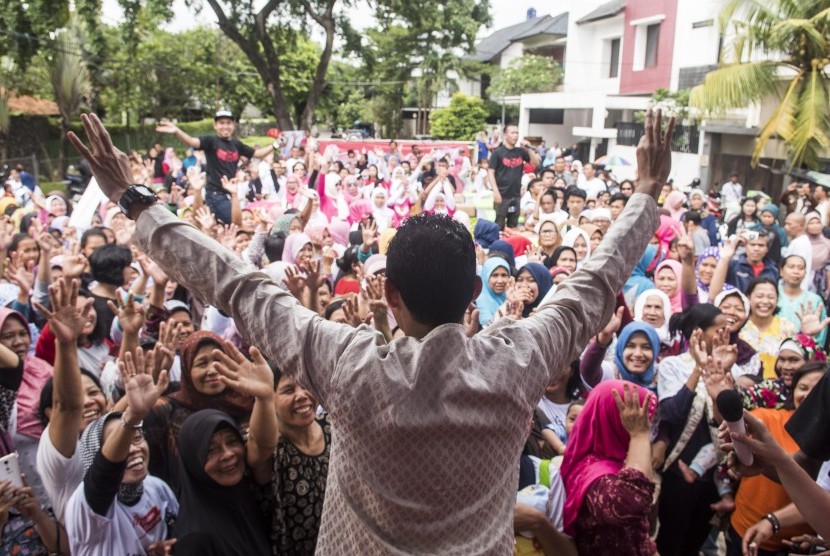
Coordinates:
(223, 114)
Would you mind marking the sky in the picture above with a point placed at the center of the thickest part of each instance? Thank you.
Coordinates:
(504, 12)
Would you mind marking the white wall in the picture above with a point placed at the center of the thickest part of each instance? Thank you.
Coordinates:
(695, 47)
(515, 50)
(684, 167)
(587, 54)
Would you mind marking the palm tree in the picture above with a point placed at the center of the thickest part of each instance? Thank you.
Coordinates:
(780, 48)
(70, 81)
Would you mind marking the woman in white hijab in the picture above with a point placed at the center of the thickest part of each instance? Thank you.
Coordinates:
(580, 241)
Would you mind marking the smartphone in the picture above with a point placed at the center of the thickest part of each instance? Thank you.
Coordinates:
(10, 470)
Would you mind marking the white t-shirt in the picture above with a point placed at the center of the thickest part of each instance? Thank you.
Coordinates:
(60, 475)
(592, 186)
(555, 412)
(124, 530)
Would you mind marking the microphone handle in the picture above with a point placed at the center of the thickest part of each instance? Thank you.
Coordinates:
(742, 450)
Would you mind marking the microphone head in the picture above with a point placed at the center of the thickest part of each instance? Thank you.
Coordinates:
(730, 406)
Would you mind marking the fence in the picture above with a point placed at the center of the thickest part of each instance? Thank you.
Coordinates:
(685, 138)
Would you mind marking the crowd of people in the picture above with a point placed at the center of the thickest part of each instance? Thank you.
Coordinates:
(285, 350)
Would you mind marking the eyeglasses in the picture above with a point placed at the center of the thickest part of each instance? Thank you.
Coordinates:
(138, 438)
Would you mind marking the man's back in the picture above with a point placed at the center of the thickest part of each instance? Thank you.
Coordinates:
(426, 433)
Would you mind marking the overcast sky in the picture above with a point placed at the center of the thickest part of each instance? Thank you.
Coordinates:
(504, 12)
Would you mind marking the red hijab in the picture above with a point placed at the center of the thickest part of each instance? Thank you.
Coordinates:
(597, 446)
(230, 401)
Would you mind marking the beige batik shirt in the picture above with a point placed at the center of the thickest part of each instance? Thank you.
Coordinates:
(426, 433)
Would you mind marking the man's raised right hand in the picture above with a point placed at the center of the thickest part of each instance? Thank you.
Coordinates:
(654, 154)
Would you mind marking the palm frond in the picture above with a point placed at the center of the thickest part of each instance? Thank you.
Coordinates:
(810, 136)
(790, 34)
(735, 86)
(69, 76)
(782, 122)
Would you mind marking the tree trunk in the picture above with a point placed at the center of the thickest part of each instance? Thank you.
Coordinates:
(319, 83)
(279, 106)
(62, 150)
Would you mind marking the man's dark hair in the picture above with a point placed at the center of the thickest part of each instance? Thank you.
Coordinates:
(432, 262)
(548, 171)
(93, 232)
(574, 191)
(108, 262)
(558, 158)
(618, 197)
(274, 244)
(693, 217)
(533, 182)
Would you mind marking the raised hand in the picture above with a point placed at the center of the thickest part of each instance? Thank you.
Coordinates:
(229, 185)
(151, 269)
(697, 348)
(109, 165)
(724, 353)
(142, 393)
(295, 281)
(811, 323)
(370, 234)
(727, 251)
(471, 320)
(313, 277)
(47, 244)
(352, 312)
(73, 265)
(167, 127)
(66, 319)
(206, 220)
(130, 314)
(607, 334)
(635, 417)
(196, 178)
(253, 378)
(6, 232)
(686, 248)
(19, 275)
(654, 154)
(717, 378)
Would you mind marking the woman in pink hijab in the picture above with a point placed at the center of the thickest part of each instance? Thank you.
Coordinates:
(667, 280)
(607, 471)
(674, 204)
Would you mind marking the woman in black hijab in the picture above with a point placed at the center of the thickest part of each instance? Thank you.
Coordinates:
(218, 498)
(220, 474)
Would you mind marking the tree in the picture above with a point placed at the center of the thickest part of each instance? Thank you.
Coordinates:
(70, 81)
(528, 74)
(780, 48)
(26, 24)
(461, 120)
(416, 52)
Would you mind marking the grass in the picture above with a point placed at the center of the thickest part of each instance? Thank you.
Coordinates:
(257, 140)
(50, 186)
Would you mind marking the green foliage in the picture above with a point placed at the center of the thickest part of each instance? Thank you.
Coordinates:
(27, 24)
(461, 120)
(427, 39)
(528, 74)
(780, 48)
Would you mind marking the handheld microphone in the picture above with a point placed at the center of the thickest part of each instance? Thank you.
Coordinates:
(732, 410)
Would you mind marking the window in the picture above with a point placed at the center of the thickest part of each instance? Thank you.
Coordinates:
(614, 67)
(652, 40)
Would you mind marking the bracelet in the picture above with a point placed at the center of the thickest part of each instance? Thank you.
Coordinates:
(127, 425)
(776, 525)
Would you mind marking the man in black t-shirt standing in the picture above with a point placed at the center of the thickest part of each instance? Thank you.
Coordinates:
(222, 152)
(506, 169)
